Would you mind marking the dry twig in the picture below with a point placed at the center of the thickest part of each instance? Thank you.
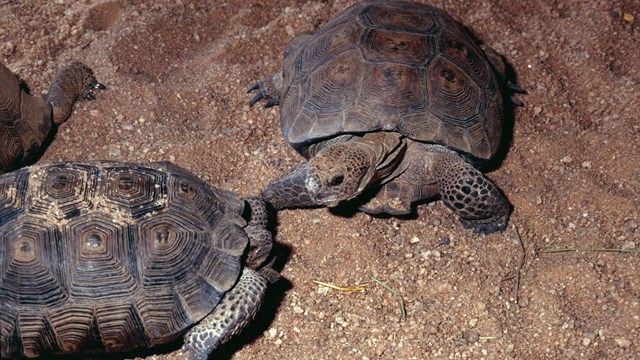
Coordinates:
(403, 311)
(521, 256)
(561, 250)
(355, 288)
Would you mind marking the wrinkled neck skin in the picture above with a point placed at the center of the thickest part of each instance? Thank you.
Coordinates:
(339, 171)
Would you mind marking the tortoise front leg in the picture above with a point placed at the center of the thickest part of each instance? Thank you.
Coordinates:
(237, 308)
(468, 192)
(260, 239)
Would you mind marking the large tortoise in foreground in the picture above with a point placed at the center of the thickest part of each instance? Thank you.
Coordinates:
(108, 257)
(26, 121)
(396, 100)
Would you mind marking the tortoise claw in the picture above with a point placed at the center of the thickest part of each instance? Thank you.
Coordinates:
(259, 96)
(271, 103)
(254, 86)
(267, 89)
(515, 101)
(97, 85)
(515, 88)
(88, 94)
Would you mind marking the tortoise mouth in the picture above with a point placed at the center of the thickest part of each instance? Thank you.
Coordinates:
(330, 202)
(327, 193)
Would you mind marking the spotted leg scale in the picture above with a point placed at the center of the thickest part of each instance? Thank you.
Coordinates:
(470, 194)
(238, 307)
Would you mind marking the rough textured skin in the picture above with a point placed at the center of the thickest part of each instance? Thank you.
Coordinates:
(236, 309)
(26, 121)
(74, 81)
(436, 170)
(108, 257)
(338, 172)
(384, 66)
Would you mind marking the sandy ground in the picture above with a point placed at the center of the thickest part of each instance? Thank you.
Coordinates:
(177, 71)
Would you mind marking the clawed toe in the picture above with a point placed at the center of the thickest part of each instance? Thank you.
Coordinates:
(263, 93)
(255, 86)
(268, 89)
(515, 101)
(271, 103)
(88, 94)
(485, 228)
(515, 89)
(97, 85)
(259, 96)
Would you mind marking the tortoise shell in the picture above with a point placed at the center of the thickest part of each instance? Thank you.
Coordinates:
(25, 122)
(392, 66)
(108, 256)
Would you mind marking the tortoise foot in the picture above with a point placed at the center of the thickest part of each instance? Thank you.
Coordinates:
(484, 227)
(268, 89)
(388, 200)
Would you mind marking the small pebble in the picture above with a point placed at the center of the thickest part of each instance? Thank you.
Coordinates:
(114, 150)
(567, 159)
(537, 110)
(472, 337)
(431, 329)
(628, 245)
(623, 342)
(8, 48)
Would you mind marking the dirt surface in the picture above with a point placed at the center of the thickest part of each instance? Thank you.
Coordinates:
(176, 73)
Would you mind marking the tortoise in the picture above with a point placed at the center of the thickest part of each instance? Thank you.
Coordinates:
(395, 100)
(105, 257)
(26, 121)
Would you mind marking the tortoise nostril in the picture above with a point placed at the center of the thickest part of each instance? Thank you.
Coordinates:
(336, 180)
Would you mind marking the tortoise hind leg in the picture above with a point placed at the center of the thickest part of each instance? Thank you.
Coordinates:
(468, 192)
(269, 89)
(71, 83)
(500, 66)
(236, 309)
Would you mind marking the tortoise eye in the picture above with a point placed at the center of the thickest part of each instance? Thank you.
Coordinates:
(336, 180)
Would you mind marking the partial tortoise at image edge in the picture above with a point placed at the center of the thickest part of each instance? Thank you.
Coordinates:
(26, 121)
(107, 257)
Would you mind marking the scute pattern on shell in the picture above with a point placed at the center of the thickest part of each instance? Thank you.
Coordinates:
(115, 255)
(24, 122)
(392, 66)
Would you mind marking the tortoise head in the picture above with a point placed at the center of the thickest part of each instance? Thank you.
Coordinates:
(338, 172)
